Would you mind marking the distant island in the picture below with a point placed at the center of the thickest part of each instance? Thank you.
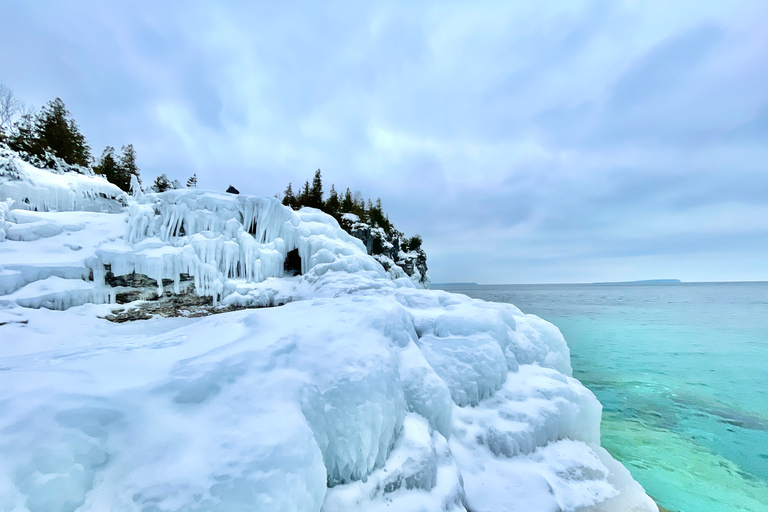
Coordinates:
(646, 281)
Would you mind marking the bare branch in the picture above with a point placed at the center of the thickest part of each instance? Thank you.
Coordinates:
(10, 107)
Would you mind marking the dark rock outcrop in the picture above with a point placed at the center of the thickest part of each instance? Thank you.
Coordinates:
(389, 248)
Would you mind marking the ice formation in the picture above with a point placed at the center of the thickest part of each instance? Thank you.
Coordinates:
(361, 392)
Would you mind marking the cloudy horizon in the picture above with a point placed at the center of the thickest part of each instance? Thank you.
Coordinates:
(566, 142)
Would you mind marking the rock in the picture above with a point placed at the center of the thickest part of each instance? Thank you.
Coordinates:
(387, 247)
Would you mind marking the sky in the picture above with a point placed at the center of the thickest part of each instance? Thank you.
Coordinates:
(526, 141)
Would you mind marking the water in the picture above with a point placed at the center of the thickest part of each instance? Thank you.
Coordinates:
(682, 373)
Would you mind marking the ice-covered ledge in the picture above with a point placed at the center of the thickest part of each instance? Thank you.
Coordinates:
(360, 393)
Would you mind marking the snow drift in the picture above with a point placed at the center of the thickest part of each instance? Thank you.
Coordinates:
(362, 392)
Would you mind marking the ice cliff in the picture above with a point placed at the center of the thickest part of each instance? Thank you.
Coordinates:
(361, 391)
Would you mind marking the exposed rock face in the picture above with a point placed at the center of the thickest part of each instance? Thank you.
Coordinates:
(138, 287)
(134, 287)
(390, 249)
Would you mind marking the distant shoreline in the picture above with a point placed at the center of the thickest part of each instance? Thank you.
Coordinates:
(607, 283)
(645, 281)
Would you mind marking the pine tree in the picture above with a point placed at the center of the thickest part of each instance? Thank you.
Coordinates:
(315, 198)
(333, 205)
(303, 197)
(289, 199)
(22, 138)
(128, 163)
(109, 167)
(56, 131)
(375, 213)
(161, 184)
(347, 204)
(412, 244)
(192, 181)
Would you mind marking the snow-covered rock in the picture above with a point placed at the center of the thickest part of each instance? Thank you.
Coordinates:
(45, 190)
(361, 392)
(388, 249)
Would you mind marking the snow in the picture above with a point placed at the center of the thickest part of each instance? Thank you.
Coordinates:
(361, 392)
(42, 190)
(56, 293)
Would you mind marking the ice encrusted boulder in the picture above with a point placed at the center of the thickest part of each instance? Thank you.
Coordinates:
(361, 392)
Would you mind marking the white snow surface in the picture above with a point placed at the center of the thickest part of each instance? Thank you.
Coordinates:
(363, 392)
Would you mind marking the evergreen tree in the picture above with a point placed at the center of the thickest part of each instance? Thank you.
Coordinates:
(56, 131)
(412, 244)
(358, 206)
(128, 163)
(289, 199)
(192, 181)
(303, 197)
(118, 170)
(110, 168)
(333, 205)
(376, 214)
(161, 184)
(22, 138)
(347, 204)
(315, 198)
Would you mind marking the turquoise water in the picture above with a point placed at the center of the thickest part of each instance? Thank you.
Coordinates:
(682, 373)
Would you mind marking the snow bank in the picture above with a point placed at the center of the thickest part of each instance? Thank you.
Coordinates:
(36, 189)
(57, 293)
(361, 393)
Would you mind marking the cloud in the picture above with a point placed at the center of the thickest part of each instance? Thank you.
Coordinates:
(534, 142)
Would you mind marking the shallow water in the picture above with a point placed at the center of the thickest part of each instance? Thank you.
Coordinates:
(682, 373)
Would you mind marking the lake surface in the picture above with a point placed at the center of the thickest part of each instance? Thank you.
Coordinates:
(682, 373)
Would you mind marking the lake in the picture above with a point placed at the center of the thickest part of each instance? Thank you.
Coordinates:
(682, 372)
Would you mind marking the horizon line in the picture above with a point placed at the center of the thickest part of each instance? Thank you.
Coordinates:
(639, 282)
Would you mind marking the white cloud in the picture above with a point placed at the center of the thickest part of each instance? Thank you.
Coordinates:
(526, 140)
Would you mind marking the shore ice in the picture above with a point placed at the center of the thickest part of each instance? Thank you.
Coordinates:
(362, 393)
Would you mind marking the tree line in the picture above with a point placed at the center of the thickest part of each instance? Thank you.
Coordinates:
(51, 135)
(337, 205)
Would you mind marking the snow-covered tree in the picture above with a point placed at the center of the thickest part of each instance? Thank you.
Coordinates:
(161, 184)
(128, 162)
(57, 132)
(109, 167)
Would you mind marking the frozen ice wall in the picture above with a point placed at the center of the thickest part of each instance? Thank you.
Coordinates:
(226, 245)
(360, 393)
(227, 241)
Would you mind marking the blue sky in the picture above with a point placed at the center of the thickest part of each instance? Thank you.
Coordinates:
(527, 142)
